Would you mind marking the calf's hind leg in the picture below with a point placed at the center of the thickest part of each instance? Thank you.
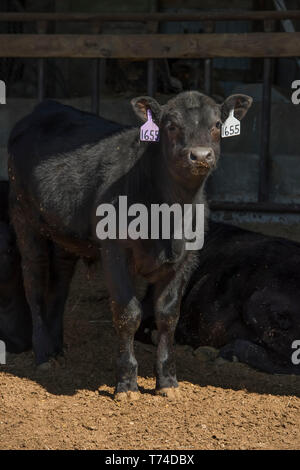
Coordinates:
(61, 269)
(47, 272)
(35, 265)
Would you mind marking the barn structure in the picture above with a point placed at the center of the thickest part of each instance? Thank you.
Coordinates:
(97, 55)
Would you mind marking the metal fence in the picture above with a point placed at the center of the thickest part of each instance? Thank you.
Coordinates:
(267, 45)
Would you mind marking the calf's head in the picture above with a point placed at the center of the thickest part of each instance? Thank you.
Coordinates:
(190, 130)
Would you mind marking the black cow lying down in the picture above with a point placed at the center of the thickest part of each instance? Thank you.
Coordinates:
(243, 298)
(15, 318)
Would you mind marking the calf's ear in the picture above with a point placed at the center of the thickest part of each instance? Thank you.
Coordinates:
(240, 104)
(142, 104)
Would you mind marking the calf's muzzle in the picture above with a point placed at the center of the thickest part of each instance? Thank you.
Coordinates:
(202, 157)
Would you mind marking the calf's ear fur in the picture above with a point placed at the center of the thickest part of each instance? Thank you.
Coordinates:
(240, 104)
(142, 104)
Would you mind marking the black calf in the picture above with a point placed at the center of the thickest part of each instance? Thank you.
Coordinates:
(64, 164)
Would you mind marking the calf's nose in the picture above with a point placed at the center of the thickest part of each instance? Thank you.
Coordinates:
(204, 155)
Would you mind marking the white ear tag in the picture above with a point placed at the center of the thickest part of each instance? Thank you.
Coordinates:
(231, 126)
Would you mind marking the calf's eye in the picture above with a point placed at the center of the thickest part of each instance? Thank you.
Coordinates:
(172, 128)
(218, 125)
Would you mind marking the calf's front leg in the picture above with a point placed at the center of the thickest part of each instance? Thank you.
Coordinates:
(167, 309)
(127, 314)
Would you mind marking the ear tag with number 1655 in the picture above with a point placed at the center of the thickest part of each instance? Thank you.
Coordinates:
(231, 126)
(149, 131)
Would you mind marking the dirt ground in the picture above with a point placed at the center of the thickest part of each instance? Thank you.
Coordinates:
(222, 406)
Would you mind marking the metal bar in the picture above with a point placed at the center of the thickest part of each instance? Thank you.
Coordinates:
(152, 27)
(151, 46)
(265, 132)
(208, 63)
(41, 79)
(151, 77)
(264, 160)
(95, 86)
(254, 207)
(41, 29)
(156, 16)
(96, 29)
(102, 74)
(208, 76)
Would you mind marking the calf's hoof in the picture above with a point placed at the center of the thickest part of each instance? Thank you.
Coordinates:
(60, 361)
(173, 393)
(127, 396)
(51, 364)
(44, 367)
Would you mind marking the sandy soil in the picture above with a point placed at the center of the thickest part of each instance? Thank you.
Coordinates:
(222, 406)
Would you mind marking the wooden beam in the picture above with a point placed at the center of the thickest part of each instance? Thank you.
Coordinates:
(147, 46)
(155, 16)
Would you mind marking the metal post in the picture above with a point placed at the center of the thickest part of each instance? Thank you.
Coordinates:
(95, 86)
(209, 27)
(41, 29)
(208, 63)
(98, 69)
(263, 191)
(41, 79)
(151, 69)
(207, 76)
(151, 85)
